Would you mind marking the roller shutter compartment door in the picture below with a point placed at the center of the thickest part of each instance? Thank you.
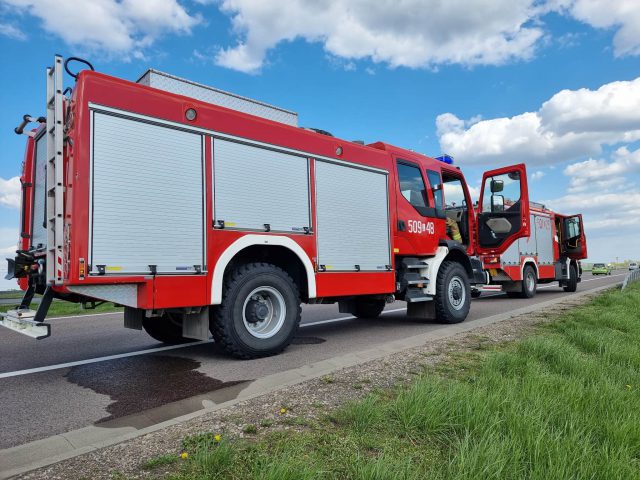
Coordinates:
(255, 186)
(352, 211)
(147, 198)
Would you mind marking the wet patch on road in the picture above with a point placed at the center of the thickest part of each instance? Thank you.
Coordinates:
(307, 340)
(143, 383)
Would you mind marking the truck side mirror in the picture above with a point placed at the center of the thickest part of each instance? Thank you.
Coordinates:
(497, 203)
(497, 186)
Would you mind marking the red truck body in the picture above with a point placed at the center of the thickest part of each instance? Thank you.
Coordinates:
(170, 206)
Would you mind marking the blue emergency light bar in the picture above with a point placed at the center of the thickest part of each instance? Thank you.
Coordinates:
(448, 159)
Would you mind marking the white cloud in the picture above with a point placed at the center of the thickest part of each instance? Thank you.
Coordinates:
(10, 192)
(621, 15)
(115, 26)
(571, 124)
(610, 220)
(12, 32)
(600, 174)
(537, 175)
(416, 33)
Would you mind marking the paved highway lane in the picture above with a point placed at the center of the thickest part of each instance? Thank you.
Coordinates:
(43, 395)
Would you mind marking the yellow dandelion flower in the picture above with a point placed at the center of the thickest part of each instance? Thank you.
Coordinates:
(283, 411)
(217, 438)
(184, 455)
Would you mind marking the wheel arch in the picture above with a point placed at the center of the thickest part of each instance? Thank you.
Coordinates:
(280, 250)
(457, 253)
(529, 261)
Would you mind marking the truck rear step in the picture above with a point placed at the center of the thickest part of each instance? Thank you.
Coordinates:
(27, 321)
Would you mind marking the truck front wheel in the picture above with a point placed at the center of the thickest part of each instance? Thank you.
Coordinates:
(572, 283)
(260, 311)
(453, 293)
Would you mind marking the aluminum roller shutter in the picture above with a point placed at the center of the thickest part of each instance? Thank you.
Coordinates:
(148, 197)
(544, 240)
(352, 211)
(255, 186)
(39, 231)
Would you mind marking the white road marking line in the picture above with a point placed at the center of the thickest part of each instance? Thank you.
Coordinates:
(85, 315)
(350, 317)
(58, 366)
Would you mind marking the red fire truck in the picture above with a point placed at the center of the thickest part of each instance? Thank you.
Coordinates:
(202, 211)
(552, 253)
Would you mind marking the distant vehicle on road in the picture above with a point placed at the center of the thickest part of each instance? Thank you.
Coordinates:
(600, 269)
(633, 266)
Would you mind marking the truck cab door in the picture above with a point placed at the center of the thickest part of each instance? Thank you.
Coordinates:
(503, 210)
(575, 242)
(418, 218)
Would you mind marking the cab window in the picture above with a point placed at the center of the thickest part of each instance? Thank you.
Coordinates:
(436, 188)
(412, 185)
(505, 193)
(572, 227)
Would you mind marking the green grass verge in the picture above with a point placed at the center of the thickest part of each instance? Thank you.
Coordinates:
(11, 294)
(63, 309)
(563, 403)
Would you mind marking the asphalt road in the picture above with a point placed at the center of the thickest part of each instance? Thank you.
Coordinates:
(41, 395)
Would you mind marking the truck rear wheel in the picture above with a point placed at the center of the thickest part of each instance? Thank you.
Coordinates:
(260, 311)
(572, 283)
(453, 293)
(368, 308)
(529, 282)
(165, 329)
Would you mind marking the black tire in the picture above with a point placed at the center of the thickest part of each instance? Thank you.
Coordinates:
(529, 282)
(368, 308)
(572, 283)
(452, 308)
(165, 329)
(252, 284)
(475, 293)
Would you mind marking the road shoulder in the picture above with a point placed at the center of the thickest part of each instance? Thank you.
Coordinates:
(302, 392)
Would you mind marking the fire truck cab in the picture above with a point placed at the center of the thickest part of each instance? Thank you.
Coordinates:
(552, 253)
(202, 212)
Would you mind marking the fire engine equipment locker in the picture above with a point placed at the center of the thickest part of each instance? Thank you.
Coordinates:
(260, 189)
(147, 198)
(353, 218)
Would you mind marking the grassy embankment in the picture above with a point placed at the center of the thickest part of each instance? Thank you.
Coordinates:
(562, 403)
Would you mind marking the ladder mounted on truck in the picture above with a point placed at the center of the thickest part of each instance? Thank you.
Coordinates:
(23, 319)
(55, 186)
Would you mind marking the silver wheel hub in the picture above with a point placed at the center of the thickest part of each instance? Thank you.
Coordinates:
(264, 312)
(456, 293)
(530, 282)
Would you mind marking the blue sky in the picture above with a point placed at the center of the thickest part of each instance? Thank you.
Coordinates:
(493, 82)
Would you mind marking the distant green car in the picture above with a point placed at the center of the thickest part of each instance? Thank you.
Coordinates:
(600, 269)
